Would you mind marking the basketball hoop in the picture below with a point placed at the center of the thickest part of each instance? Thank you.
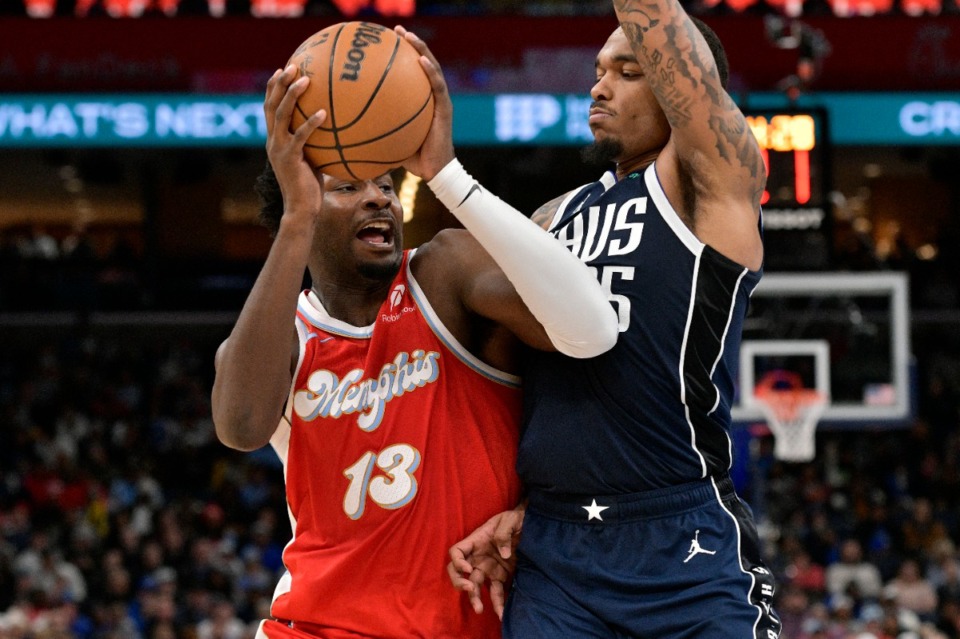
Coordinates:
(792, 412)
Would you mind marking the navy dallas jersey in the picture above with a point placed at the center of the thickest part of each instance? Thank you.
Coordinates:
(654, 411)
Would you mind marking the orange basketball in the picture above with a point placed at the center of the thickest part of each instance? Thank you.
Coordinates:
(377, 96)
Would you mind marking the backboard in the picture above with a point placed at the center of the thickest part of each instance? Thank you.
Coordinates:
(846, 335)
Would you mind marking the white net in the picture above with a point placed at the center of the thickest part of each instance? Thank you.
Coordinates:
(792, 415)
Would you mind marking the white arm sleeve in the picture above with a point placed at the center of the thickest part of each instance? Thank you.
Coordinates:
(559, 289)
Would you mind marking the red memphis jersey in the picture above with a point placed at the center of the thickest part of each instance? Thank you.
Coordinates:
(397, 443)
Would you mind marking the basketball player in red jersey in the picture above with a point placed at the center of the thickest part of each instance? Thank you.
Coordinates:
(388, 388)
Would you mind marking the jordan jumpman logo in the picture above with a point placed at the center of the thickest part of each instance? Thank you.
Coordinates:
(696, 549)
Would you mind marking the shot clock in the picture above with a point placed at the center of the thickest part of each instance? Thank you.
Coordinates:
(796, 212)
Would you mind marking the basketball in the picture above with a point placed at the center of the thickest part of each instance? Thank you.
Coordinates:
(377, 97)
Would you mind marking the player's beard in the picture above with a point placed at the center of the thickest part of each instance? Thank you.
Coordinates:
(602, 152)
(380, 271)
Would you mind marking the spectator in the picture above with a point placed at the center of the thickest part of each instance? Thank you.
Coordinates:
(852, 575)
(39, 245)
(911, 591)
(793, 603)
(947, 581)
(815, 625)
(897, 619)
(222, 622)
(922, 531)
(949, 619)
(805, 574)
(843, 620)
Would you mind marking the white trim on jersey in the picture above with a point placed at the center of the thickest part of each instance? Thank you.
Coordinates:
(445, 336)
(681, 369)
(608, 179)
(280, 442)
(311, 306)
(667, 212)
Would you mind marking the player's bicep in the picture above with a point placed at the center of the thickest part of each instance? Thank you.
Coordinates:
(485, 291)
(490, 294)
(239, 407)
(720, 154)
(709, 132)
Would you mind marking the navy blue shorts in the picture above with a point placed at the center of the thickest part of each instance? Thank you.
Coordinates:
(678, 563)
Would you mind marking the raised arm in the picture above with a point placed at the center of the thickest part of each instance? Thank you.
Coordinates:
(558, 289)
(711, 168)
(254, 365)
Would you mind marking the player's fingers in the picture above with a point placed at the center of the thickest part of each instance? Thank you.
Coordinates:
(459, 581)
(505, 534)
(421, 47)
(430, 65)
(305, 130)
(289, 90)
(269, 105)
(458, 558)
(498, 596)
(457, 577)
(477, 578)
(495, 568)
(277, 87)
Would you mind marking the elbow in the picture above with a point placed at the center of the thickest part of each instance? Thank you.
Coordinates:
(240, 433)
(240, 439)
(599, 337)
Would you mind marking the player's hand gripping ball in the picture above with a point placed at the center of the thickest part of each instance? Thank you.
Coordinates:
(377, 96)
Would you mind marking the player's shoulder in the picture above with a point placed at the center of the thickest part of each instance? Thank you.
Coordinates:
(544, 215)
(446, 253)
(446, 244)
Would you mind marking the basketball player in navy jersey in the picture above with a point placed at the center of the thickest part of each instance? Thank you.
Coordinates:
(632, 526)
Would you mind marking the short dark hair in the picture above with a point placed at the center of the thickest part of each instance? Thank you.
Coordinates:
(716, 48)
(267, 189)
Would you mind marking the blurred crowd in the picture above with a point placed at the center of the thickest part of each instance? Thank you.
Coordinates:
(40, 270)
(121, 515)
(863, 540)
(87, 269)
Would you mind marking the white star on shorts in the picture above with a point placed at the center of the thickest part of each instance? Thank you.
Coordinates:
(593, 510)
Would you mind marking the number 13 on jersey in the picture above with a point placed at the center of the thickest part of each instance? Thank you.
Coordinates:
(398, 462)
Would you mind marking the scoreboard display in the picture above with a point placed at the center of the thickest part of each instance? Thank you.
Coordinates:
(796, 204)
(794, 148)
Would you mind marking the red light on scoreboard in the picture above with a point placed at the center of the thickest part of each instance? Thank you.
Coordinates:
(793, 146)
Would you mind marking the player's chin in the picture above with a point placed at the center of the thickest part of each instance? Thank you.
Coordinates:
(379, 261)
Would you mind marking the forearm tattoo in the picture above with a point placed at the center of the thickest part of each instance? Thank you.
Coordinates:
(625, 8)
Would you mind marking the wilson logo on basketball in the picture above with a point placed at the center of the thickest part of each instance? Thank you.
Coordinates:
(365, 35)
